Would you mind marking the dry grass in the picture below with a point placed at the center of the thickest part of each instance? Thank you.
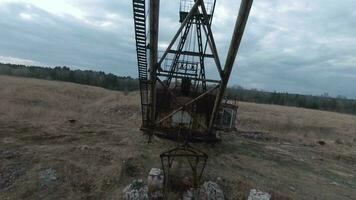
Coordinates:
(297, 124)
(54, 101)
(101, 152)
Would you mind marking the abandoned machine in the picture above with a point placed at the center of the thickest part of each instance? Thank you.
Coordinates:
(182, 86)
(179, 98)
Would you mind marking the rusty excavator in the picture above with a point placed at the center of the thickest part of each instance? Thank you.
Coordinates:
(178, 100)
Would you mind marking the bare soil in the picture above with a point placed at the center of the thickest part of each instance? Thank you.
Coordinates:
(67, 141)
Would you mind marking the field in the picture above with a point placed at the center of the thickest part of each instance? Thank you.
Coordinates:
(67, 141)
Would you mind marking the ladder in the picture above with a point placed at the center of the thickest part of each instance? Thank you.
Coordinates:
(139, 13)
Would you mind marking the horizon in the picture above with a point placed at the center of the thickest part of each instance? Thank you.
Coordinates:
(325, 94)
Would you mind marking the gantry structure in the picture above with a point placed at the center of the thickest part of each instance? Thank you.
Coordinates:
(177, 98)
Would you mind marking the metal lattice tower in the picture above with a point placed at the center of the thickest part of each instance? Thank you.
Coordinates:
(174, 84)
(188, 58)
(177, 99)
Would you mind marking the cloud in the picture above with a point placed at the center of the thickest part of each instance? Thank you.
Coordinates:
(12, 60)
(95, 42)
(25, 16)
(304, 49)
(295, 46)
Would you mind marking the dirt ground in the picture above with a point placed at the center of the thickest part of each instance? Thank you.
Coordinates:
(68, 141)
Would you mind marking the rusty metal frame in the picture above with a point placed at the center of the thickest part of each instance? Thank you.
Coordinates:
(181, 105)
(210, 39)
(187, 152)
(186, 20)
(206, 26)
(187, 104)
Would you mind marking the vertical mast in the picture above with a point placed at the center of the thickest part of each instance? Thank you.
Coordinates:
(153, 45)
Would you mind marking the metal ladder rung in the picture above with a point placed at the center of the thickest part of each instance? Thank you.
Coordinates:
(139, 15)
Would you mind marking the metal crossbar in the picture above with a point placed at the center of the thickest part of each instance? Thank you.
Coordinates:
(186, 5)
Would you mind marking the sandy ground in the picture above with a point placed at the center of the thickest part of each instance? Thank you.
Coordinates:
(290, 152)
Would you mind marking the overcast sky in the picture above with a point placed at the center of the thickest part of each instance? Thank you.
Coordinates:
(299, 46)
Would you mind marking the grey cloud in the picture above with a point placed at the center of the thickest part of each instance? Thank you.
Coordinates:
(63, 40)
(295, 46)
(315, 35)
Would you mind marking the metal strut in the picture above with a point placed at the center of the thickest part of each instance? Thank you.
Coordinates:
(201, 56)
(240, 24)
(179, 50)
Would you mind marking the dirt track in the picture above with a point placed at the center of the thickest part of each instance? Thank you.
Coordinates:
(44, 155)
